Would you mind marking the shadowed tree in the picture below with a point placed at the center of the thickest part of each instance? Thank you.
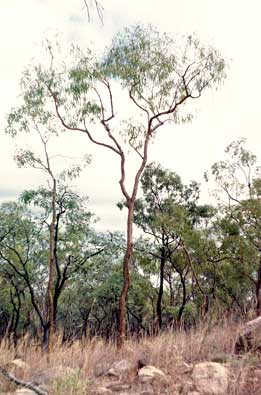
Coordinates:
(157, 73)
(166, 214)
(239, 181)
(24, 252)
(45, 163)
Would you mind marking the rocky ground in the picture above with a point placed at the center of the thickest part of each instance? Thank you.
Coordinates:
(202, 362)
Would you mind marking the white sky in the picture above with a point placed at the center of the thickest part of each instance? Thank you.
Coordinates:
(232, 26)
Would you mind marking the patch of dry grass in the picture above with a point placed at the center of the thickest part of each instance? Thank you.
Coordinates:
(169, 351)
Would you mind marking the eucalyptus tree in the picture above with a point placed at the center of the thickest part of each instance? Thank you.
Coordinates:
(24, 252)
(239, 191)
(168, 213)
(162, 213)
(45, 163)
(12, 294)
(157, 73)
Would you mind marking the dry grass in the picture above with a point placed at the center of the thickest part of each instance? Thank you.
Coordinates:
(170, 351)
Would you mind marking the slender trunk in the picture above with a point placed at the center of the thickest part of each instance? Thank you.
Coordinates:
(17, 318)
(184, 298)
(51, 271)
(258, 288)
(46, 337)
(126, 276)
(205, 305)
(171, 291)
(161, 285)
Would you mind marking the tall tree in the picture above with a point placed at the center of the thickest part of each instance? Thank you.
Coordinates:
(24, 252)
(166, 213)
(239, 181)
(159, 73)
(45, 163)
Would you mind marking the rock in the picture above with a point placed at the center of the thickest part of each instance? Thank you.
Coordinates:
(249, 337)
(148, 373)
(24, 391)
(19, 363)
(210, 378)
(119, 368)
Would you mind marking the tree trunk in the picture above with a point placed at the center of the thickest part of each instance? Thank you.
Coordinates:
(258, 288)
(45, 339)
(126, 276)
(51, 271)
(171, 291)
(184, 298)
(160, 294)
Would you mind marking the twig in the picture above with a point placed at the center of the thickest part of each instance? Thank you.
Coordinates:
(17, 381)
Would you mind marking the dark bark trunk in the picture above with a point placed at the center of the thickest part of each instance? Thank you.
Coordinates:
(45, 341)
(17, 317)
(161, 288)
(126, 276)
(258, 288)
(184, 297)
(171, 291)
(50, 289)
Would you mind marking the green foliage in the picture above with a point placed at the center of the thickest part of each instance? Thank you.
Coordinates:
(159, 69)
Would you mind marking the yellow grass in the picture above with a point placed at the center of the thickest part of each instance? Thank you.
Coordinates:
(169, 351)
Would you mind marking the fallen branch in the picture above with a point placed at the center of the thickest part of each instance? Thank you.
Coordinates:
(17, 381)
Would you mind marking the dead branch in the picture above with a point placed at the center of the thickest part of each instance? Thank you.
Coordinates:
(17, 381)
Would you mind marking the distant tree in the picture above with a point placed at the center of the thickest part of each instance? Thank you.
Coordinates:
(158, 73)
(45, 162)
(166, 214)
(239, 182)
(24, 252)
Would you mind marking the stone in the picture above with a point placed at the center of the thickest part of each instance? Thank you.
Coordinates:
(210, 378)
(149, 373)
(19, 363)
(121, 367)
(249, 338)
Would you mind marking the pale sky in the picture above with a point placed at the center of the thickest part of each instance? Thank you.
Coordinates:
(232, 26)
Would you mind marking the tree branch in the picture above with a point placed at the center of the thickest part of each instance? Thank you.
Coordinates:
(17, 381)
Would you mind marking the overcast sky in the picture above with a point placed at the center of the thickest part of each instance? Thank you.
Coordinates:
(232, 26)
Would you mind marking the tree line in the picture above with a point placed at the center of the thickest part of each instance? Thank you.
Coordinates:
(160, 76)
(190, 259)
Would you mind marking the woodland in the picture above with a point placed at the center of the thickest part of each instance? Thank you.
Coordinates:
(179, 260)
